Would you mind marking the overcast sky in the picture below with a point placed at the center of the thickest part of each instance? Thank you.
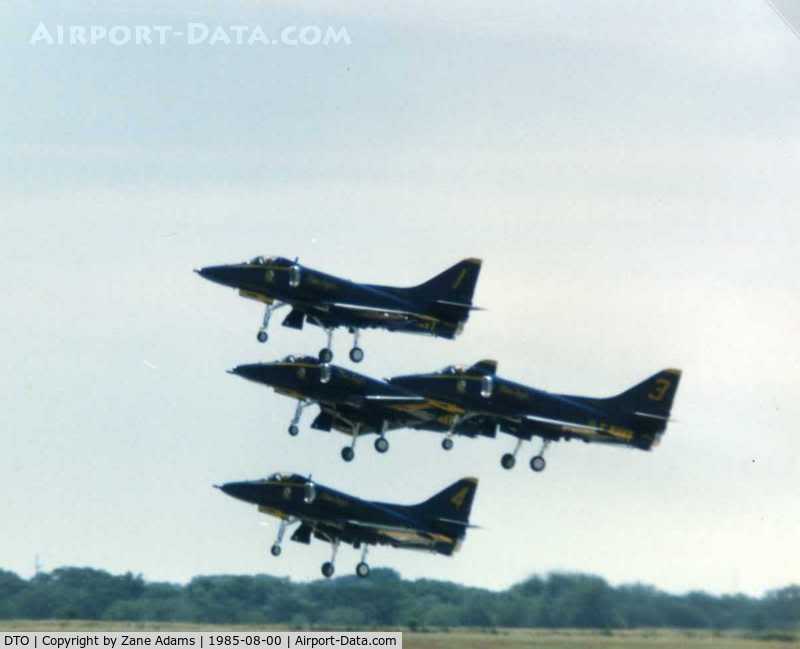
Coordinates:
(627, 170)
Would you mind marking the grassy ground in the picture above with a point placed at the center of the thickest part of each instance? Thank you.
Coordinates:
(471, 639)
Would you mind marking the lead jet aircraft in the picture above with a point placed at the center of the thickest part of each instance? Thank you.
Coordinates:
(437, 525)
(439, 307)
(355, 404)
(637, 417)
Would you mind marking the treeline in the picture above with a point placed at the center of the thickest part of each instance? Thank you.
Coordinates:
(555, 601)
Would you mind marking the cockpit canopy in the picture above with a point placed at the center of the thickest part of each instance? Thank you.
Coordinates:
(284, 477)
(452, 369)
(263, 260)
(291, 358)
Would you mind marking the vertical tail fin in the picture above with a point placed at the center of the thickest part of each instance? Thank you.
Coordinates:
(454, 286)
(653, 397)
(453, 504)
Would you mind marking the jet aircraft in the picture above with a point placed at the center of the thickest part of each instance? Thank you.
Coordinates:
(637, 417)
(437, 525)
(355, 404)
(439, 307)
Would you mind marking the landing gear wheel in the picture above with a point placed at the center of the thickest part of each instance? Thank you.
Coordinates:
(381, 445)
(348, 454)
(293, 430)
(327, 570)
(447, 443)
(537, 463)
(362, 570)
(325, 355)
(508, 461)
(275, 550)
(356, 354)
(262, 336)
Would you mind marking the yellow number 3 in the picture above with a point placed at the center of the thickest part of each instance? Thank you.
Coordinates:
(660, 390)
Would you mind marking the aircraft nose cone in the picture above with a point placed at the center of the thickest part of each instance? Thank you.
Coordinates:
(226, 275)
(241, 490)
(253, 372)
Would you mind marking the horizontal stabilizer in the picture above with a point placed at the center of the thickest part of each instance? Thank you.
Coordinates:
(460, 305)
(461, 523)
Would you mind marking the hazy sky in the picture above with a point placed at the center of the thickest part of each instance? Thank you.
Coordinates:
(627, 170)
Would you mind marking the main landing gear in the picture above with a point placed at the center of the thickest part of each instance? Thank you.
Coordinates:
(356, 353)
(382, 444)
(510, 459)
(349, 452)
(362, 568)
(537, 463)
(262, 335)
(328, 567)
(326, 353)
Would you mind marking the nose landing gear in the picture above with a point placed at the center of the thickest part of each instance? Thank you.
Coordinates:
(262, 335)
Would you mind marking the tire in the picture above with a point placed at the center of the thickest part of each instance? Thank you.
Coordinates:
(356, 354)
(293, 430)
(327, 570)
(537, 463)
(447, 444)
(348, 454)
(275, 550)
(325, 355)
(362, 570)
(381, 445)
(262, 336)
(508, 461)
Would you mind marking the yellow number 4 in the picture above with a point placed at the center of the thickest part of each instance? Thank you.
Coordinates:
(660, 389)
